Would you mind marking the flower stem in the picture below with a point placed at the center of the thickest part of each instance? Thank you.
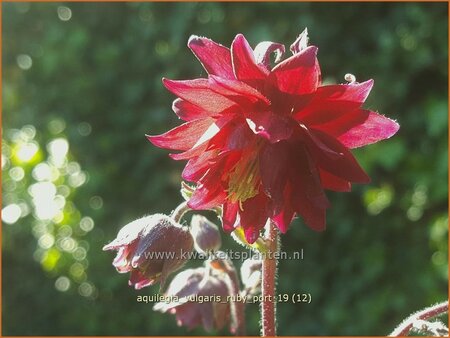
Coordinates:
(179, 212)
(428, 313)
(269, 272)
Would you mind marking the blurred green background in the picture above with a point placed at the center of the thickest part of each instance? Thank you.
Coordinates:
(81, 87)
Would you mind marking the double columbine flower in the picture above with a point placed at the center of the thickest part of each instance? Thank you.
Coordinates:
(265, 142)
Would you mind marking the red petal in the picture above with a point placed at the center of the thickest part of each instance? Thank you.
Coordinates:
(331, 102)
(197, 167)
(273, 168)
(188, 111)
(209, 197)
(182, 137)
(332, 182)
(271, 126)
(253, 216)
(198, 93)
(334, 157)
(354, 92)
(314, 217)
(308, 198)
(343, 123)
(263, 51)
(238, 88)
(283, 216)
(215, 58)
(212, 134)
(138, 280)
(244, 64)
(229, 215)
(299, 74)
(239, 136)
(284, 219)
(209, 192)
(375, 128)
(193, 152)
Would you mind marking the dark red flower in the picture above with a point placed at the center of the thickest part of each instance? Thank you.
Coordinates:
(151, 248)
(264, 142)
(198, 298)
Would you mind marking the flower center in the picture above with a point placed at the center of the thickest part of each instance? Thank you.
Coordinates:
(244, 179)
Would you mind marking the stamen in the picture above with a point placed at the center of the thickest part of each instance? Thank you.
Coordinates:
(244, 179)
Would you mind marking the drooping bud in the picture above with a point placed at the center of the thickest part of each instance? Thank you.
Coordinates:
(206, 235)
(151, 248)
(251, 275)
(197, 298)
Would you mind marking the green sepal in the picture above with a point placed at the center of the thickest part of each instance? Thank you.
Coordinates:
(258, 246)
(186, 191)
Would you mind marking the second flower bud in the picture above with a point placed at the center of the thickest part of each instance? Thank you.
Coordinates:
(206, 235)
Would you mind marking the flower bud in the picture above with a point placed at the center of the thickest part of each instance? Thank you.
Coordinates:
(197, 298)
(206, 234)
(251, 275)
(151, 248)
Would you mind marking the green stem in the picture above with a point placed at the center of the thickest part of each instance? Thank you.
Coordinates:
(268, 290)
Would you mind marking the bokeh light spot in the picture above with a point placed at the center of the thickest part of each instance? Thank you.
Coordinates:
(67, 244)
(64, 13)
(11, 213)
(17, 173)
(84, 129)
(86, 289)
(87, 224)
(46, 241)
(24, 61)
(42, 172)
(58, 149)
(77, 270)
(25, 152)
(96, 202)
(79, 254)
(56, 126)
(62, 284)
(29, 132)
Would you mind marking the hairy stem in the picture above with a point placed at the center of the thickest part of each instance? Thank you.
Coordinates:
(179, 212)
(428, 313)
(268, 290)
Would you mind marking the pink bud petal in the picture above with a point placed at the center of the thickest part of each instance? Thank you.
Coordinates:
(244, 63)
(263, 51)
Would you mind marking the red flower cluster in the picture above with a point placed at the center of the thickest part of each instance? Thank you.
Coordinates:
(264, 142)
